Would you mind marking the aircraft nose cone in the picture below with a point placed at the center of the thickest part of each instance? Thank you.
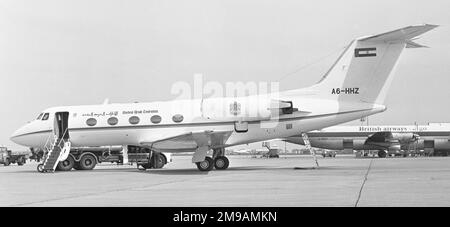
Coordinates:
(19, 136)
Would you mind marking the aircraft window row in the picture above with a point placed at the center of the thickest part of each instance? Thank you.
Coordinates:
(45, 117)
(155, 119)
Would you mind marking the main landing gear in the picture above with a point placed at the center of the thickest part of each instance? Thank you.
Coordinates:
(218, 161)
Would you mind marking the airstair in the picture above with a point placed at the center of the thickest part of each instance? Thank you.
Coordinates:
(308, 146)
(56, 149)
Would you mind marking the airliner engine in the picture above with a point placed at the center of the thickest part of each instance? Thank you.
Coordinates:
(405, 137)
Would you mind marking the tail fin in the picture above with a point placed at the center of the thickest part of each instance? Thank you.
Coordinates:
(363, 72)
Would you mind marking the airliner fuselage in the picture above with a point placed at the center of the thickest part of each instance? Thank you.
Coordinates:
(136, 123)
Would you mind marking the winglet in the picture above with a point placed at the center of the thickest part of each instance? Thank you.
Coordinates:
(403, 34)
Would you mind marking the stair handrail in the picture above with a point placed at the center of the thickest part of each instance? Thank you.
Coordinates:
(47, 147)
(62, 137)
(47, 143)
(64, 143)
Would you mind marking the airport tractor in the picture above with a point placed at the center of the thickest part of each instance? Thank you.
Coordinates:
(7, 157)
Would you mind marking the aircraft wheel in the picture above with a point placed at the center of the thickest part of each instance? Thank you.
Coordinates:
(40, 168)
(206, 165)
(87, 162)
(221, 163)
(67, 164)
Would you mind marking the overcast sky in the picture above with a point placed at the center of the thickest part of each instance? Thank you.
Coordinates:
(58, 52)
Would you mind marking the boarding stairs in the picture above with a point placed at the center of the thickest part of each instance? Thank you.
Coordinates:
(56, 150)
(308, 146)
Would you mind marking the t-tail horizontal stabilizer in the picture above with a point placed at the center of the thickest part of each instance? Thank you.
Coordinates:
(400, 35)
(363, 72)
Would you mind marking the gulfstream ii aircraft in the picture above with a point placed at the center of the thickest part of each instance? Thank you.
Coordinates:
(354, 87)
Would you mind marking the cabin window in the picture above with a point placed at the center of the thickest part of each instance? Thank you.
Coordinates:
(91, 121)
(45, 117)
(39, 117)
(113, 121)
(134, 120)
(177, 118)
(155, 119)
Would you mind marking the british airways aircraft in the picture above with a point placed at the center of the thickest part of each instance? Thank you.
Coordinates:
(354, 87)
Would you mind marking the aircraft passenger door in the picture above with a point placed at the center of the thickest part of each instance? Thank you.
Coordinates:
(61, 125)
(241, 126)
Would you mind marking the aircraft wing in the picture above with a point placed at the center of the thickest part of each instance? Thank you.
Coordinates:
(380, 137)
(189, 141)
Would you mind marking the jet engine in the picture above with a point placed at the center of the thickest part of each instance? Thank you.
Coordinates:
(405, 137)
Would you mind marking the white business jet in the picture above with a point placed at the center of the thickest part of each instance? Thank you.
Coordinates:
(354, 87)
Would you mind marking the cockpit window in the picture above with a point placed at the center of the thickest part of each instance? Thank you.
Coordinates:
(45, 117)
(39, 117)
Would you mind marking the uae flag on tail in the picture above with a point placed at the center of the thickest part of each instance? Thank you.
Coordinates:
(365, 52)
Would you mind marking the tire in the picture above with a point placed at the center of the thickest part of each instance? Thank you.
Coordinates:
(160, 161)
(87, 162)
(6, 163)
(76, 166)
(206, 165)
(40, 168)
(146, 166)
(382, 154)
(21, 161)
(67, 164)
(221, 163)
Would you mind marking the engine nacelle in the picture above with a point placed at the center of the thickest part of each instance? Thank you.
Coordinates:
(245, 108)
(405, 137)
(394, 148)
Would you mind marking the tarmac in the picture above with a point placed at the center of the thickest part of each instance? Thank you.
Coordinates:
(284, 182)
